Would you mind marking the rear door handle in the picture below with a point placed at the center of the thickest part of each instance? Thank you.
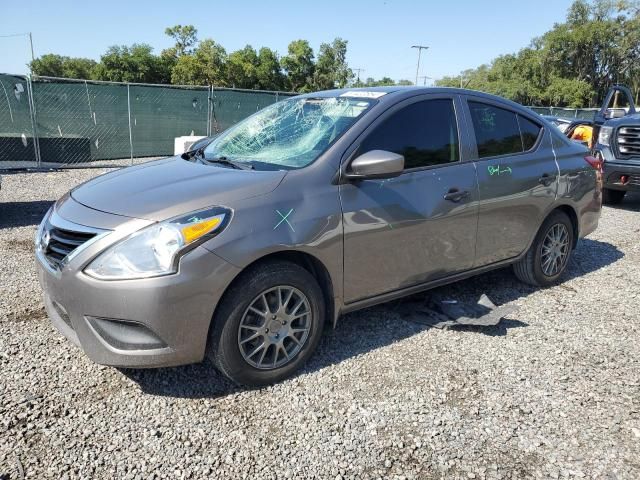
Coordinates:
(455, 195)
(546, 179)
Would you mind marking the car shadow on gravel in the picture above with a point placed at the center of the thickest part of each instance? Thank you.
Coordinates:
(630, 203)
(376, 327)
(22, 214)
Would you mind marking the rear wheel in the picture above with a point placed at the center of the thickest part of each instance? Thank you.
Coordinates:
(548, 257)
(268, 324)
(612, 197)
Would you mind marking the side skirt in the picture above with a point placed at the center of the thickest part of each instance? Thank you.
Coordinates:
(421, 287)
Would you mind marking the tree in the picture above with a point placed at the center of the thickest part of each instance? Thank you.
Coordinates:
(573, 64)
(242, 68)
(185, 37)
(132, 64)
(269, 72)
(52, 65)
(332, 70)
(299, 66)
(205, 66)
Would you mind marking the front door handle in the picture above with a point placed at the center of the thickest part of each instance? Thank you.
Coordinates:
(455, 195)
(546, 179)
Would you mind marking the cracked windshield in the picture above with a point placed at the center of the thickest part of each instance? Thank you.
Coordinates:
(289, 134)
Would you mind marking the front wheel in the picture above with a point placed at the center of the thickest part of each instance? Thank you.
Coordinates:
(268, 324)
(612, 197)
(548, 257)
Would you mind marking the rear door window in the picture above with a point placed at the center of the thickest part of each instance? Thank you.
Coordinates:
(497, 130)
(425, 133)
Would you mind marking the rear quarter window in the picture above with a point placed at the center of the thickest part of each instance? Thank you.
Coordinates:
(530, 132)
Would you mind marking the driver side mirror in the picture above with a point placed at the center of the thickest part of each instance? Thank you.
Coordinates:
(615, 113)
(375, 164)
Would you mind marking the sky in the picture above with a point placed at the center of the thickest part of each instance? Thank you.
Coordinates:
(460, 34)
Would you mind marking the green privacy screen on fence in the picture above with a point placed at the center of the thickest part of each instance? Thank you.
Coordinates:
(53, 122)
(77, 121)
(17, 144)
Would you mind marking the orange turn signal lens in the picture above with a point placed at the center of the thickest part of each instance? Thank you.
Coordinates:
(194, 231)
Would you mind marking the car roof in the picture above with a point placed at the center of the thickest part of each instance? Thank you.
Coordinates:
(392, 93)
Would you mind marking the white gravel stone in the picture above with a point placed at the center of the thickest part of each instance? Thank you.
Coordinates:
(552, 392)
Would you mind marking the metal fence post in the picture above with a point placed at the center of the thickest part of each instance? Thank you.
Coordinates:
(32, 111)
(130, 132)
(208, 110)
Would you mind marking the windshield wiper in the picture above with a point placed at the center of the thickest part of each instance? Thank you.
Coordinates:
(230, 163)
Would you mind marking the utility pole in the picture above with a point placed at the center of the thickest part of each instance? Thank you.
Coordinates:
(358, 70)
(33, 57)
(420, 48)
(424, 77)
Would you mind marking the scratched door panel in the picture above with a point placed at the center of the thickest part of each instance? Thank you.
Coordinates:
(513, 201)
(402, 232)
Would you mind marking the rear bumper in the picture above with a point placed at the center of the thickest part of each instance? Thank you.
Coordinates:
(613, 173)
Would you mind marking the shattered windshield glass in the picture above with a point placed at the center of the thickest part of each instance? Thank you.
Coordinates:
(288, 134)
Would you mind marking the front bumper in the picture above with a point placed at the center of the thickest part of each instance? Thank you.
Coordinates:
(154, 322)
(615, 168)
(615, 173)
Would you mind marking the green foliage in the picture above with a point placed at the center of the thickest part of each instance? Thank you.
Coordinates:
(383, 82)
(299, 66)
(52, 65)
(206, 66)
(193, 62)
(573, 64)
(269, 71)
(132, 64)
(185, 37)
(332, 70)
(242, 68)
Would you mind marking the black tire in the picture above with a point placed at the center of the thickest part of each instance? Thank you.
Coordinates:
(529, 269)
(612, 197)
(223, 347)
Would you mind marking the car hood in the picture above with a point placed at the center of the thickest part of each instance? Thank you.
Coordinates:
(630, 120)
(166, 188)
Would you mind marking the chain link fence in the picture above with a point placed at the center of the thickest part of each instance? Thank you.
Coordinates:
(18, 142)
(582, 113)
(50, 122)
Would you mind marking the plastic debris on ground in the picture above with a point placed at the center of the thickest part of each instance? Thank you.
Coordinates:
(442, 312)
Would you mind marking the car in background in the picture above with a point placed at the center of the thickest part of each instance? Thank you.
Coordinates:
(617, 144)
(244, 249)
(578, 129)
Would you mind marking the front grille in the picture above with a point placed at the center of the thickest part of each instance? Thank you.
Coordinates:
(628, 141)
(61, 243)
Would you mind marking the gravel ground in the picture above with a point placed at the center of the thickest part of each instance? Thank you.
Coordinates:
(553, 391)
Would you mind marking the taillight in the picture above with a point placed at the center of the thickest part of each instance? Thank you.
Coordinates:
(596, 163)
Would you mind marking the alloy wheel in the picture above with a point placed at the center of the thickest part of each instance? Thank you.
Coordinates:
(274, 327)
(555, 250)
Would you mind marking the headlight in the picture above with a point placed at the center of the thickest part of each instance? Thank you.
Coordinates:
(155, 250)
(38, 238)
(604, 137)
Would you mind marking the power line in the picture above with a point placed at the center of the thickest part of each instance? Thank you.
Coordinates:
(26, 34)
